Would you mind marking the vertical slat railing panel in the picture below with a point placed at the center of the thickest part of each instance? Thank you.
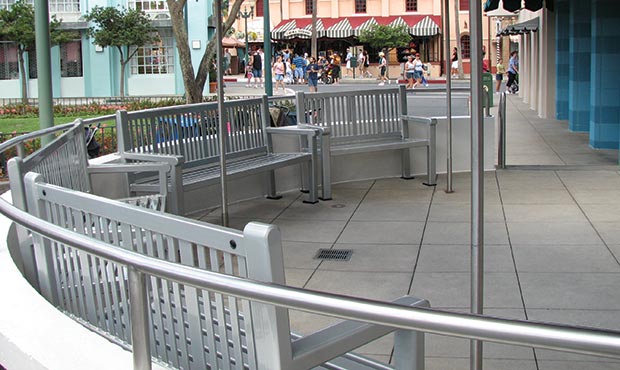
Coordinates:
(220, 328)
(235, 332)
(207, 323)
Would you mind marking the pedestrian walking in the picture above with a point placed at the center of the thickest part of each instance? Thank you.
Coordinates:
(313, 74)
(382, 69)
(513, 70)
(278, 70)
(455, 63)
(500, 70)
(409, 71)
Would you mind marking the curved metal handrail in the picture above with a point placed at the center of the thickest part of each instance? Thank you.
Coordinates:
(543, 335)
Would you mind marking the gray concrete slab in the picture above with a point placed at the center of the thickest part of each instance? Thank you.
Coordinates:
(552, 243)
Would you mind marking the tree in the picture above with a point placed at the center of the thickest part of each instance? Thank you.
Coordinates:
(17, 25)
(195, 82)
(386, 36)
(122, 29)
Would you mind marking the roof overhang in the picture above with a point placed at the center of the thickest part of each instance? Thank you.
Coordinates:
(531, 25)
(517, 5)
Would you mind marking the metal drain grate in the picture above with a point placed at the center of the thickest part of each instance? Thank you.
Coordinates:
(333, 254)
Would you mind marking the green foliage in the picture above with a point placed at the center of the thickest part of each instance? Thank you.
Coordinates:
(120, 27)
(17, 25)
(386, 36)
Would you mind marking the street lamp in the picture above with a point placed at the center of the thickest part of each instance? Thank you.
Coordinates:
(245, 15)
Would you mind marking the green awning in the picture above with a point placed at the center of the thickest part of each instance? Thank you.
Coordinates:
(528, 26)
(516, 5)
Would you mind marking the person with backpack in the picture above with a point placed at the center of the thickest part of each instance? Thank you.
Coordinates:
(257, 68)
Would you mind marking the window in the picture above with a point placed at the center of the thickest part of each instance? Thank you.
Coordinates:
(32, 65)
(64, 6)
(148, 5)
(360, 6)
(5, 4)
(309, 6)
(411, 5)
(465, 52)
(9, 68)
(155, 59)
(259, 8)
(71, 59)
(464, 5)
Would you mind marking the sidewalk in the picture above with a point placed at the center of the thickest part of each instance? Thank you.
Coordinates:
(552, 244)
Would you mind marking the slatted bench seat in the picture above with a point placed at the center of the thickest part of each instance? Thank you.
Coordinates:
(364, 121)
(192, 148)
(190, 327)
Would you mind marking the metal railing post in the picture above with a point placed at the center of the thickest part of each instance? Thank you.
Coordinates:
(501, 142)
(446, 7)
(138, 303)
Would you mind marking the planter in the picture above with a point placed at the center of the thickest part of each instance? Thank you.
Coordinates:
(212, 87)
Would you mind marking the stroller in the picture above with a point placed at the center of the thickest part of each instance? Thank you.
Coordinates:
(514, 88)
(327, 74)
(92, 146)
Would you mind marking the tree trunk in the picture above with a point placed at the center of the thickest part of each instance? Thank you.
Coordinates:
(24, 75)
(194, 83)
(193, 94)
(122, 85)
(457, 30)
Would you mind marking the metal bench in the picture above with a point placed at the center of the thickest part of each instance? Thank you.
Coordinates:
(192, 147)
(364, 121)
(190, 327)
(64, 162)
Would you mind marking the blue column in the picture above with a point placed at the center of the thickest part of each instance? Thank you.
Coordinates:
(605, 86)
(579, 66)
(562, 58)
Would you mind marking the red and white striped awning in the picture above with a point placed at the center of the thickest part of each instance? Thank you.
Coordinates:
(418, 25)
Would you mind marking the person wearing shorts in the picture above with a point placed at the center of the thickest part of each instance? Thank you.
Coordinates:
(257, 69)
(499, 75)
(382, 69)
(313, 74)
(278, 70)
(455, 63)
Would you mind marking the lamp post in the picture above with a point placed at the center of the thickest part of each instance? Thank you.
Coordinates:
(245, 15)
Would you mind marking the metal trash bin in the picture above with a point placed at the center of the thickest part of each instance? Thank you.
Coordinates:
(487, 83)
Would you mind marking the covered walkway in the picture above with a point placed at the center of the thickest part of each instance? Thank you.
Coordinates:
(552, 243)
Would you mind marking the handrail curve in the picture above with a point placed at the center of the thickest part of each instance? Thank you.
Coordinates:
(517, 332)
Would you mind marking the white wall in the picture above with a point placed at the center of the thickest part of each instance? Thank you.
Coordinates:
(150, 85)
(71, 87)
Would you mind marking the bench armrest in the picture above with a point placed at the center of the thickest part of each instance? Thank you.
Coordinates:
(172, 160)
(293, 130)
(420, 120)
(336, 340)
(163, 169)
(324, 130)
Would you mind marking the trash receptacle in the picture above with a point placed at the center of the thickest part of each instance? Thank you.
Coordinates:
(487, 82)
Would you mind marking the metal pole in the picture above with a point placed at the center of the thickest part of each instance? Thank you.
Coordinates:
(245, 15)
(42, 34)
(477, 176)
(446, 25)
(220, 107)
(267, 49)
(501, 147)
(138, 305)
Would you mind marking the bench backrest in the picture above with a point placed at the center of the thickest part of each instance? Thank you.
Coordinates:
(191, 130)
(187, 327)
(63, 162)
(355, 115)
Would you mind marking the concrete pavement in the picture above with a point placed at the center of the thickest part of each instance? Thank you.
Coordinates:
(552, 243)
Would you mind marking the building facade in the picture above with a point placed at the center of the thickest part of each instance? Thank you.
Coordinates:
(81, 69)
(568, 67)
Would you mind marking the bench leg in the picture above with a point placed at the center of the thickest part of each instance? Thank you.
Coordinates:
(312, 183)
(271, 186)
(431, 158)
(176, 204)
(326, 170)
(408, 350)
(406, 164)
